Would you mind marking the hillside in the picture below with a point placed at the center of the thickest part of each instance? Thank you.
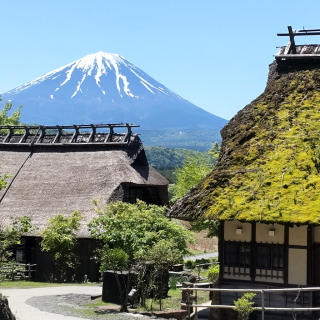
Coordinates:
(166, 160)
(269, 162)
(200, 140)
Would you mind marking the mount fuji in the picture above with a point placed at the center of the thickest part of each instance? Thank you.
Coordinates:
(107, 88)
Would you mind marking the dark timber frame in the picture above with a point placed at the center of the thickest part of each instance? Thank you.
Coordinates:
(258, 260)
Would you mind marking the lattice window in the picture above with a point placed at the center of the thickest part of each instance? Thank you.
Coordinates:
(269, 260)
(237, 258)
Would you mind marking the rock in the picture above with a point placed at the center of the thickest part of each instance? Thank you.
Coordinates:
(5, 312)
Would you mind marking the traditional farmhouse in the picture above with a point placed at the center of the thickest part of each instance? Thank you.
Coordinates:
(59, 169)
(265, 188)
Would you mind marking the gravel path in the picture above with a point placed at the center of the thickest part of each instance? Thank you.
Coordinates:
(73, 305)
(57, 303)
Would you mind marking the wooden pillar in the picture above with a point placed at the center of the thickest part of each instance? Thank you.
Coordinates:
(253, 249)
(286, 254)
(309, 256)
(221, 249)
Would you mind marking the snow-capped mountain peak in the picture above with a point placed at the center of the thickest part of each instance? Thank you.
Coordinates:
(104, 87)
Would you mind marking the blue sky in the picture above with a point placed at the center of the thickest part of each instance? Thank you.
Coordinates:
(213, 53)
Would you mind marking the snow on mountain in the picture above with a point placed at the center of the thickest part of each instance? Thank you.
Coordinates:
(105, 87)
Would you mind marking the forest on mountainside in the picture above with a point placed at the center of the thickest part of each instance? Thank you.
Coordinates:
(167, 160)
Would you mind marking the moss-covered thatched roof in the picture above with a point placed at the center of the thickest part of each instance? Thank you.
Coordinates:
(269, 165)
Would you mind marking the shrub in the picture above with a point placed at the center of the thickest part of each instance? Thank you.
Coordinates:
(203, 261)
(244, 306)
(189, 264)
(213, 273)
(173, 281)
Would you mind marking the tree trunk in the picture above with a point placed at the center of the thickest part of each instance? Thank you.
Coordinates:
(5, 312)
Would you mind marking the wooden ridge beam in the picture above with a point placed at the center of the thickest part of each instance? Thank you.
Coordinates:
(297, 56)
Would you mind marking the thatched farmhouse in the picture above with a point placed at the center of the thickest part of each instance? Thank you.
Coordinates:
(265, 188)
(61, 169)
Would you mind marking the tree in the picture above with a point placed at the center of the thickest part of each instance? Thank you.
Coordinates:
(12, 120)
(59, 238)
(125, 228)
(161, 256)
(132, 227)
(194, 169)
(11, 235)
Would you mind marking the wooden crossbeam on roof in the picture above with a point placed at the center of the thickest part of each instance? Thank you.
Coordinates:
(42, 137)
(290, 51)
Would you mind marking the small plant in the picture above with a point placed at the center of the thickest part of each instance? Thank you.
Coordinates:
(189, 264)
(213, 273)
(173, 281)
(244, 306)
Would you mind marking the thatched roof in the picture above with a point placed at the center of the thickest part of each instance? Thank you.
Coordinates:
(269, 165)
(62, 176)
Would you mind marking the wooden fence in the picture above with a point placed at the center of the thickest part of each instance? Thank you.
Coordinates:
(17, 271)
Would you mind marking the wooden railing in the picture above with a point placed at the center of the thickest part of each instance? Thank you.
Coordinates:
(189, 304)
(17, 271)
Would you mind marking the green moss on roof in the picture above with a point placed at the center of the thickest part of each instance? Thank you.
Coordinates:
(269, 166)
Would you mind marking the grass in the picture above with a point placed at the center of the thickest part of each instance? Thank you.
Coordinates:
(31, 284)
(194, 252)
(171, 302)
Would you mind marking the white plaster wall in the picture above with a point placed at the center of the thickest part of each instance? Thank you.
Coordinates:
(262, 233)
(298, 236)
(297, 269)
(230, 231)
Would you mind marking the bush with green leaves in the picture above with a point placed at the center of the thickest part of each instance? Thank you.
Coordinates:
(10, 236)
(189, 264)
(213, 273)
(135, 227)
(244, 306)
(203, 261)
(59, 238)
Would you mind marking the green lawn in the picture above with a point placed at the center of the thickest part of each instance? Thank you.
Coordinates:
(172, 302)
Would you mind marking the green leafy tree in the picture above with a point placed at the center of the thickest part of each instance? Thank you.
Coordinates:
(11, 235)
(133, 228)
(12, 120)
(59, 238)
(194, 169)
(161, 256)
(5, 119)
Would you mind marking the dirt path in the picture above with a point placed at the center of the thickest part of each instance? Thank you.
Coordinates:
(24, 311)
